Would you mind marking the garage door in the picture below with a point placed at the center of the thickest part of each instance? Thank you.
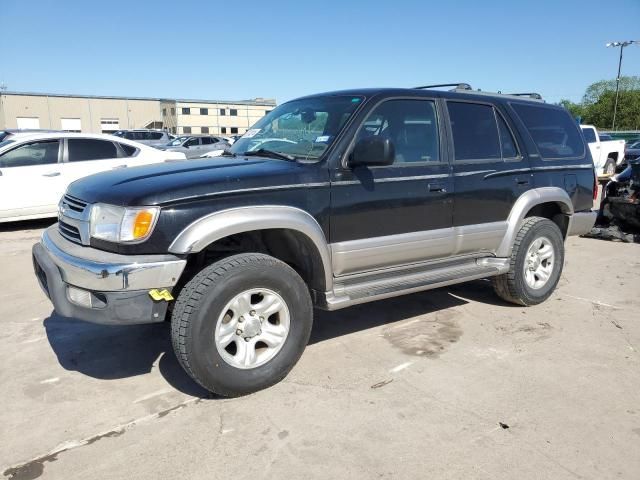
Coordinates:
(71, 124)
(28, 122)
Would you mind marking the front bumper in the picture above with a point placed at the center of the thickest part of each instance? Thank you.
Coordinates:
(581, 223)
(102, 287)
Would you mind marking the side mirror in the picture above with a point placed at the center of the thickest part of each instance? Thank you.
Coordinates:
(374, 151)
(186, 145)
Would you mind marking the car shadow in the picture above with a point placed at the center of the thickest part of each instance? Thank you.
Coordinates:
(27, 225)
(112, 352)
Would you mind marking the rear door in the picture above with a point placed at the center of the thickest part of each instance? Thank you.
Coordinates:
(591, 137)
(86, 156)
(490, 173)
(383, 216)
(31, 180)
(194, 148)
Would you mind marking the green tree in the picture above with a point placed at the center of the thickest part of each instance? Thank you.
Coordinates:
(576, 109)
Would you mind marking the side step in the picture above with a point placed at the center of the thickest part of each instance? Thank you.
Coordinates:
(375, 286)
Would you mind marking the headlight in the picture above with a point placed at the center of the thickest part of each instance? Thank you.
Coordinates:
(120, 224)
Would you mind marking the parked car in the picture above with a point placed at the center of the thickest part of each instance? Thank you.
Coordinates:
(36, 168)
(147, 137)
(375, 193)
(606, 154)
(194, 146)
(631, 153)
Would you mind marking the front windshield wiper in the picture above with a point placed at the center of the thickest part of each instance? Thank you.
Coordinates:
(263, 152)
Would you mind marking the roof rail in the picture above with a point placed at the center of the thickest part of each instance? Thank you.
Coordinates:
(457, 86)
(537, 96)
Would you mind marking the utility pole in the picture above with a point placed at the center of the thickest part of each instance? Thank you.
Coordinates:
(621, 45)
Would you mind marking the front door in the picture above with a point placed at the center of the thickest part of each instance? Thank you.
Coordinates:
(31, 179)
(86, 156)
(399, 214)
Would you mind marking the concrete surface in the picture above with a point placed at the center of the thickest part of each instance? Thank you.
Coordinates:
(447, 384)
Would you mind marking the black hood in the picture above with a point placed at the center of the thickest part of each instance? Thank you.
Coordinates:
(167, 183)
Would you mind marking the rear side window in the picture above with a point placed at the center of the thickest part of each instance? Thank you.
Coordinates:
(553, 131)
(128, 150)
(475, 132)
(37, 153)
(206, 141)
(156, 135)
(589, 135)
(81, 149)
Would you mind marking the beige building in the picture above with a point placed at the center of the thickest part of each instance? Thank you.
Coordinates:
(96, 114)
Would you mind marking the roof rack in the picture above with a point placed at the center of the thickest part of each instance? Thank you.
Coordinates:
(537, 96)
(457, 86)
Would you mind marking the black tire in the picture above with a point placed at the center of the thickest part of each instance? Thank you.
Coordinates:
(609, 167)
(198, 309)
(512, 286)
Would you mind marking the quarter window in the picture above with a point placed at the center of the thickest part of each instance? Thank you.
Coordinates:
(412, 127)
(81, 149)
(553, 131)
(507, 143)
(37, 153)
(475, 133)
(128, 150)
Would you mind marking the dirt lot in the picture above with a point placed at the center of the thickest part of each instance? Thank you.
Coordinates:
(447, 384)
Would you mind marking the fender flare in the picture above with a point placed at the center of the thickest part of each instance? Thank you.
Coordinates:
(526, 202)
(206, 230)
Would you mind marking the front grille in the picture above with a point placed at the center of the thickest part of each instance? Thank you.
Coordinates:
(69, 232)
(74, 203)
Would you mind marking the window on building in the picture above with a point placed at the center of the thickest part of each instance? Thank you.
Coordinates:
(267, 112)
(204, 129)
(233, 112)
(173, 111)
(553, 130)
(475, 132)
(164, 112)
(234, 130)
(186, 129)
(204, 111)
(173, 129)
(109, 125)
(71, 124)
(82, 149)
(186, 111)
(36, 153)
(223, 112)
(411, 125)
(223, 129)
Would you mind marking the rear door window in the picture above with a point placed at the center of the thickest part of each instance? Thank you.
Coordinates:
(553, 131)
(475, 132)
(589, 135)
(82, 149)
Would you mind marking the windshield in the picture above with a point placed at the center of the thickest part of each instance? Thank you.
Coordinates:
(302, 128)
(5, 142)
(178, 141)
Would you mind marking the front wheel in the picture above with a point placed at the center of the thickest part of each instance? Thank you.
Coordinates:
(536, 263)
(241, 324)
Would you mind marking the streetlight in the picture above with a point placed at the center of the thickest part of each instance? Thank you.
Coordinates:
(621, 45)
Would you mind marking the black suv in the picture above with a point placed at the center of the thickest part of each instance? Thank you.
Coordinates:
(328, 201)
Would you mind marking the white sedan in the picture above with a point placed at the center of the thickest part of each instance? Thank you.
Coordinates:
(36, 168)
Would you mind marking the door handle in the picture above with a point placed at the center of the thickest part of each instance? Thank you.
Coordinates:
(437, 187)
(521, 181)
(118, 166)
(51, 174)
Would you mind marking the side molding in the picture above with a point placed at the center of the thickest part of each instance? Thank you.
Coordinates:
(215, 226)
(526, 202)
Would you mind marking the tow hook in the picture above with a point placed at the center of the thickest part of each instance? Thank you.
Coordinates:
(159, 295)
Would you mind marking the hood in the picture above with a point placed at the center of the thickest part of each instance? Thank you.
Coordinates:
(167, 183)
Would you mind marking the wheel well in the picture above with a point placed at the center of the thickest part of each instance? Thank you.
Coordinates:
(290, 246)
(555, 212)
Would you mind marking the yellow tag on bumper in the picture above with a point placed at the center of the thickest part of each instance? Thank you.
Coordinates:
(158, 295)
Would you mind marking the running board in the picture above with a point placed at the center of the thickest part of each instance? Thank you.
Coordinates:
(379, 285)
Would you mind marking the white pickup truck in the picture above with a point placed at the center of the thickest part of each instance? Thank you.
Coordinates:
(606, 154)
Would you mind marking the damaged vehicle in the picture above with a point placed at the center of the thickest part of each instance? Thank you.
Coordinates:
(369, 194)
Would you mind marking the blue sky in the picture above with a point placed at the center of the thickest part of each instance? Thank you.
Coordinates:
(285, 49)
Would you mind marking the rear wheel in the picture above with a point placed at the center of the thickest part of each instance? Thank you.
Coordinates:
(241, 324)
(536, 263)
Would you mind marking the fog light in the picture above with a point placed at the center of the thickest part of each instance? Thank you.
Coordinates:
(80, 297)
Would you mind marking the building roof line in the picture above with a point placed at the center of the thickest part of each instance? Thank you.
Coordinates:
(257, 101)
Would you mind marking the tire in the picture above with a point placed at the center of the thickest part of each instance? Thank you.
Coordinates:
(528, 288)
(609, 167)
(240, 294)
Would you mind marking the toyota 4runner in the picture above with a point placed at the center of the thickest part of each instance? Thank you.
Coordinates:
(329, 201)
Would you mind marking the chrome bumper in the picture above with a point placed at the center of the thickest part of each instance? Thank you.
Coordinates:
(581, 223)
(92, 269)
